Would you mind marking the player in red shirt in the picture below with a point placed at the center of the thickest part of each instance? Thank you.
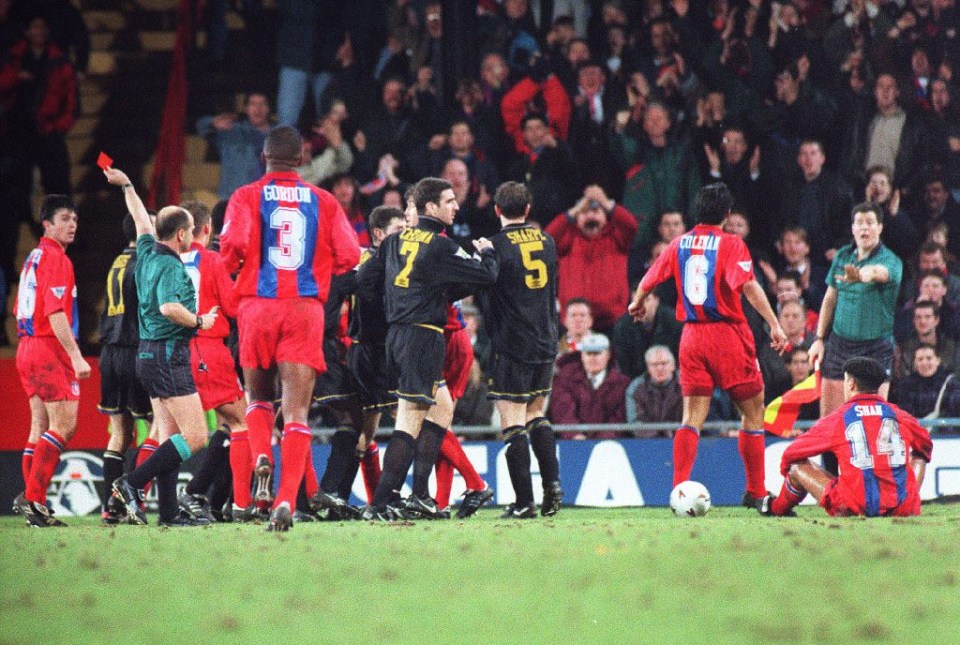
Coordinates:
(215, 375)
(48, 359)
(711, 270)
(882, 451)
(286, 238)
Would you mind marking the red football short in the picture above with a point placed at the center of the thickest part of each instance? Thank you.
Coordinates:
(45, 369)
(720, 355)
(837, 501)
(281, 331)
(457, 362)
(214, 372)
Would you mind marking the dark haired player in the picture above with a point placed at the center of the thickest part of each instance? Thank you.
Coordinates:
(711, 270)
(286, 237)
(883, 454)
(519, 312)
(419, 271)
(122, 396)
(168, 320)
(215, 374)
(48, 359)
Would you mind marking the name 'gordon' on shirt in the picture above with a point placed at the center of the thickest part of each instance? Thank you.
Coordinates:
(299, 194)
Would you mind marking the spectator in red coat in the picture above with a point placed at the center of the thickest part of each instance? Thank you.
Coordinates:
(590, 391)
(593, 240)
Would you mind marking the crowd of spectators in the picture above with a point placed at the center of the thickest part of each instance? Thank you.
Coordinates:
(615, 113)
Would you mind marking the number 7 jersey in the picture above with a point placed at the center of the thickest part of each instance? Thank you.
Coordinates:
(710, 268)
(286, 237)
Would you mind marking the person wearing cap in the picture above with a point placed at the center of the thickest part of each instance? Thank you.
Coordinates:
(593, 241)
(591, 390)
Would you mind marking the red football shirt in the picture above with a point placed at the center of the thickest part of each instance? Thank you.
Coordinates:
(873, 441)
(710, 268)
(47, 285)
(213, 286)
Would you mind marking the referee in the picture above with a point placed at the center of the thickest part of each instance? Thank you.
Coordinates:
(168, 320)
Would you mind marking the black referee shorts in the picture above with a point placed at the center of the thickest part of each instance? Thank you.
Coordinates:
(368, 365)
(838, 351)
(120, 390)
(163, 367)
(512, 380)
(415, 354)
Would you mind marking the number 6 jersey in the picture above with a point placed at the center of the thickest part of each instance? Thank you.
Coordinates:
(286, 237)
(710, 268)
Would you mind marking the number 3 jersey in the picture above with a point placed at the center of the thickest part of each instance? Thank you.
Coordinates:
(519, 311)
(286, 237)
(873, 441)
(47, 285)
(710, 268)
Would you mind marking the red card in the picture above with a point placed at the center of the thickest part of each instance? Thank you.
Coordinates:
(104, 161)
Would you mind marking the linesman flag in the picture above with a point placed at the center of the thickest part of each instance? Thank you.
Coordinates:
(783, 411)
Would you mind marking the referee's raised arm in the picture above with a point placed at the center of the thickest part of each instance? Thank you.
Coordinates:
(134, 204)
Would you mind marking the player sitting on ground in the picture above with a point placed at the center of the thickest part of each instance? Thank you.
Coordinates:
(886, 448)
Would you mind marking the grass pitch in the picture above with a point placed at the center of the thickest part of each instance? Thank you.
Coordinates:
(585, 576)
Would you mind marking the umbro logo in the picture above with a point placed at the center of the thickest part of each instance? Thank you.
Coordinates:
(746, 266)
(58, 291)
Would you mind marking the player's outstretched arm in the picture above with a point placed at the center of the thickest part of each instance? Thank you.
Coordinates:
(758, 299)
(134, 204)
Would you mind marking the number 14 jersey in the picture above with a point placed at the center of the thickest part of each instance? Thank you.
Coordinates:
(710, 268)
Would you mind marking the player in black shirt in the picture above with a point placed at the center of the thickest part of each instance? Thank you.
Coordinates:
(419, 271)
(122, 397)
(520, 316)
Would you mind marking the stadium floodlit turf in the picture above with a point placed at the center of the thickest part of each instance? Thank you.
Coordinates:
(587, 575)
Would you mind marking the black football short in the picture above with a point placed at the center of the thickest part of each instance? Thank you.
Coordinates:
(163, 367)
(368, 365)
(511, 380)
(336, 384)
(120, 390)
(839, 350)
(415, 354)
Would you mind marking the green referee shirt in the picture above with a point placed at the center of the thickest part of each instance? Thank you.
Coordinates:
(865, 310)
(161, 278)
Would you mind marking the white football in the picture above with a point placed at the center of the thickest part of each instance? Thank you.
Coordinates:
(690, 499)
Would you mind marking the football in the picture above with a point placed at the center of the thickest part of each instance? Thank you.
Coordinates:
(690, 499)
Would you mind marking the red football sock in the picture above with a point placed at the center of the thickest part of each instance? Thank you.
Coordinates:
(147, 448)
(240, 467)
(370, 467)
(684, 453)
(752, 448)
(444, 481)
(26, 462)
(310, 483)
(260, 430)
(787, 499)
(293, 456)
(46, 456)
(453, 452)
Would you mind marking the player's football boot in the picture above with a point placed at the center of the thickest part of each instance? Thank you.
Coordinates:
(263, 470)
(131, 501)
(385, 513)
(749, 501)
(472, 501)
(240, 514)
(552, 498)
(323, 499)
(514, 512)
(38, 515)
(344, 513)
(424, 507)
(184, 520)
(18, 503)
(765, 507)
(304, 516)
(281, 519)
(196, 506)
